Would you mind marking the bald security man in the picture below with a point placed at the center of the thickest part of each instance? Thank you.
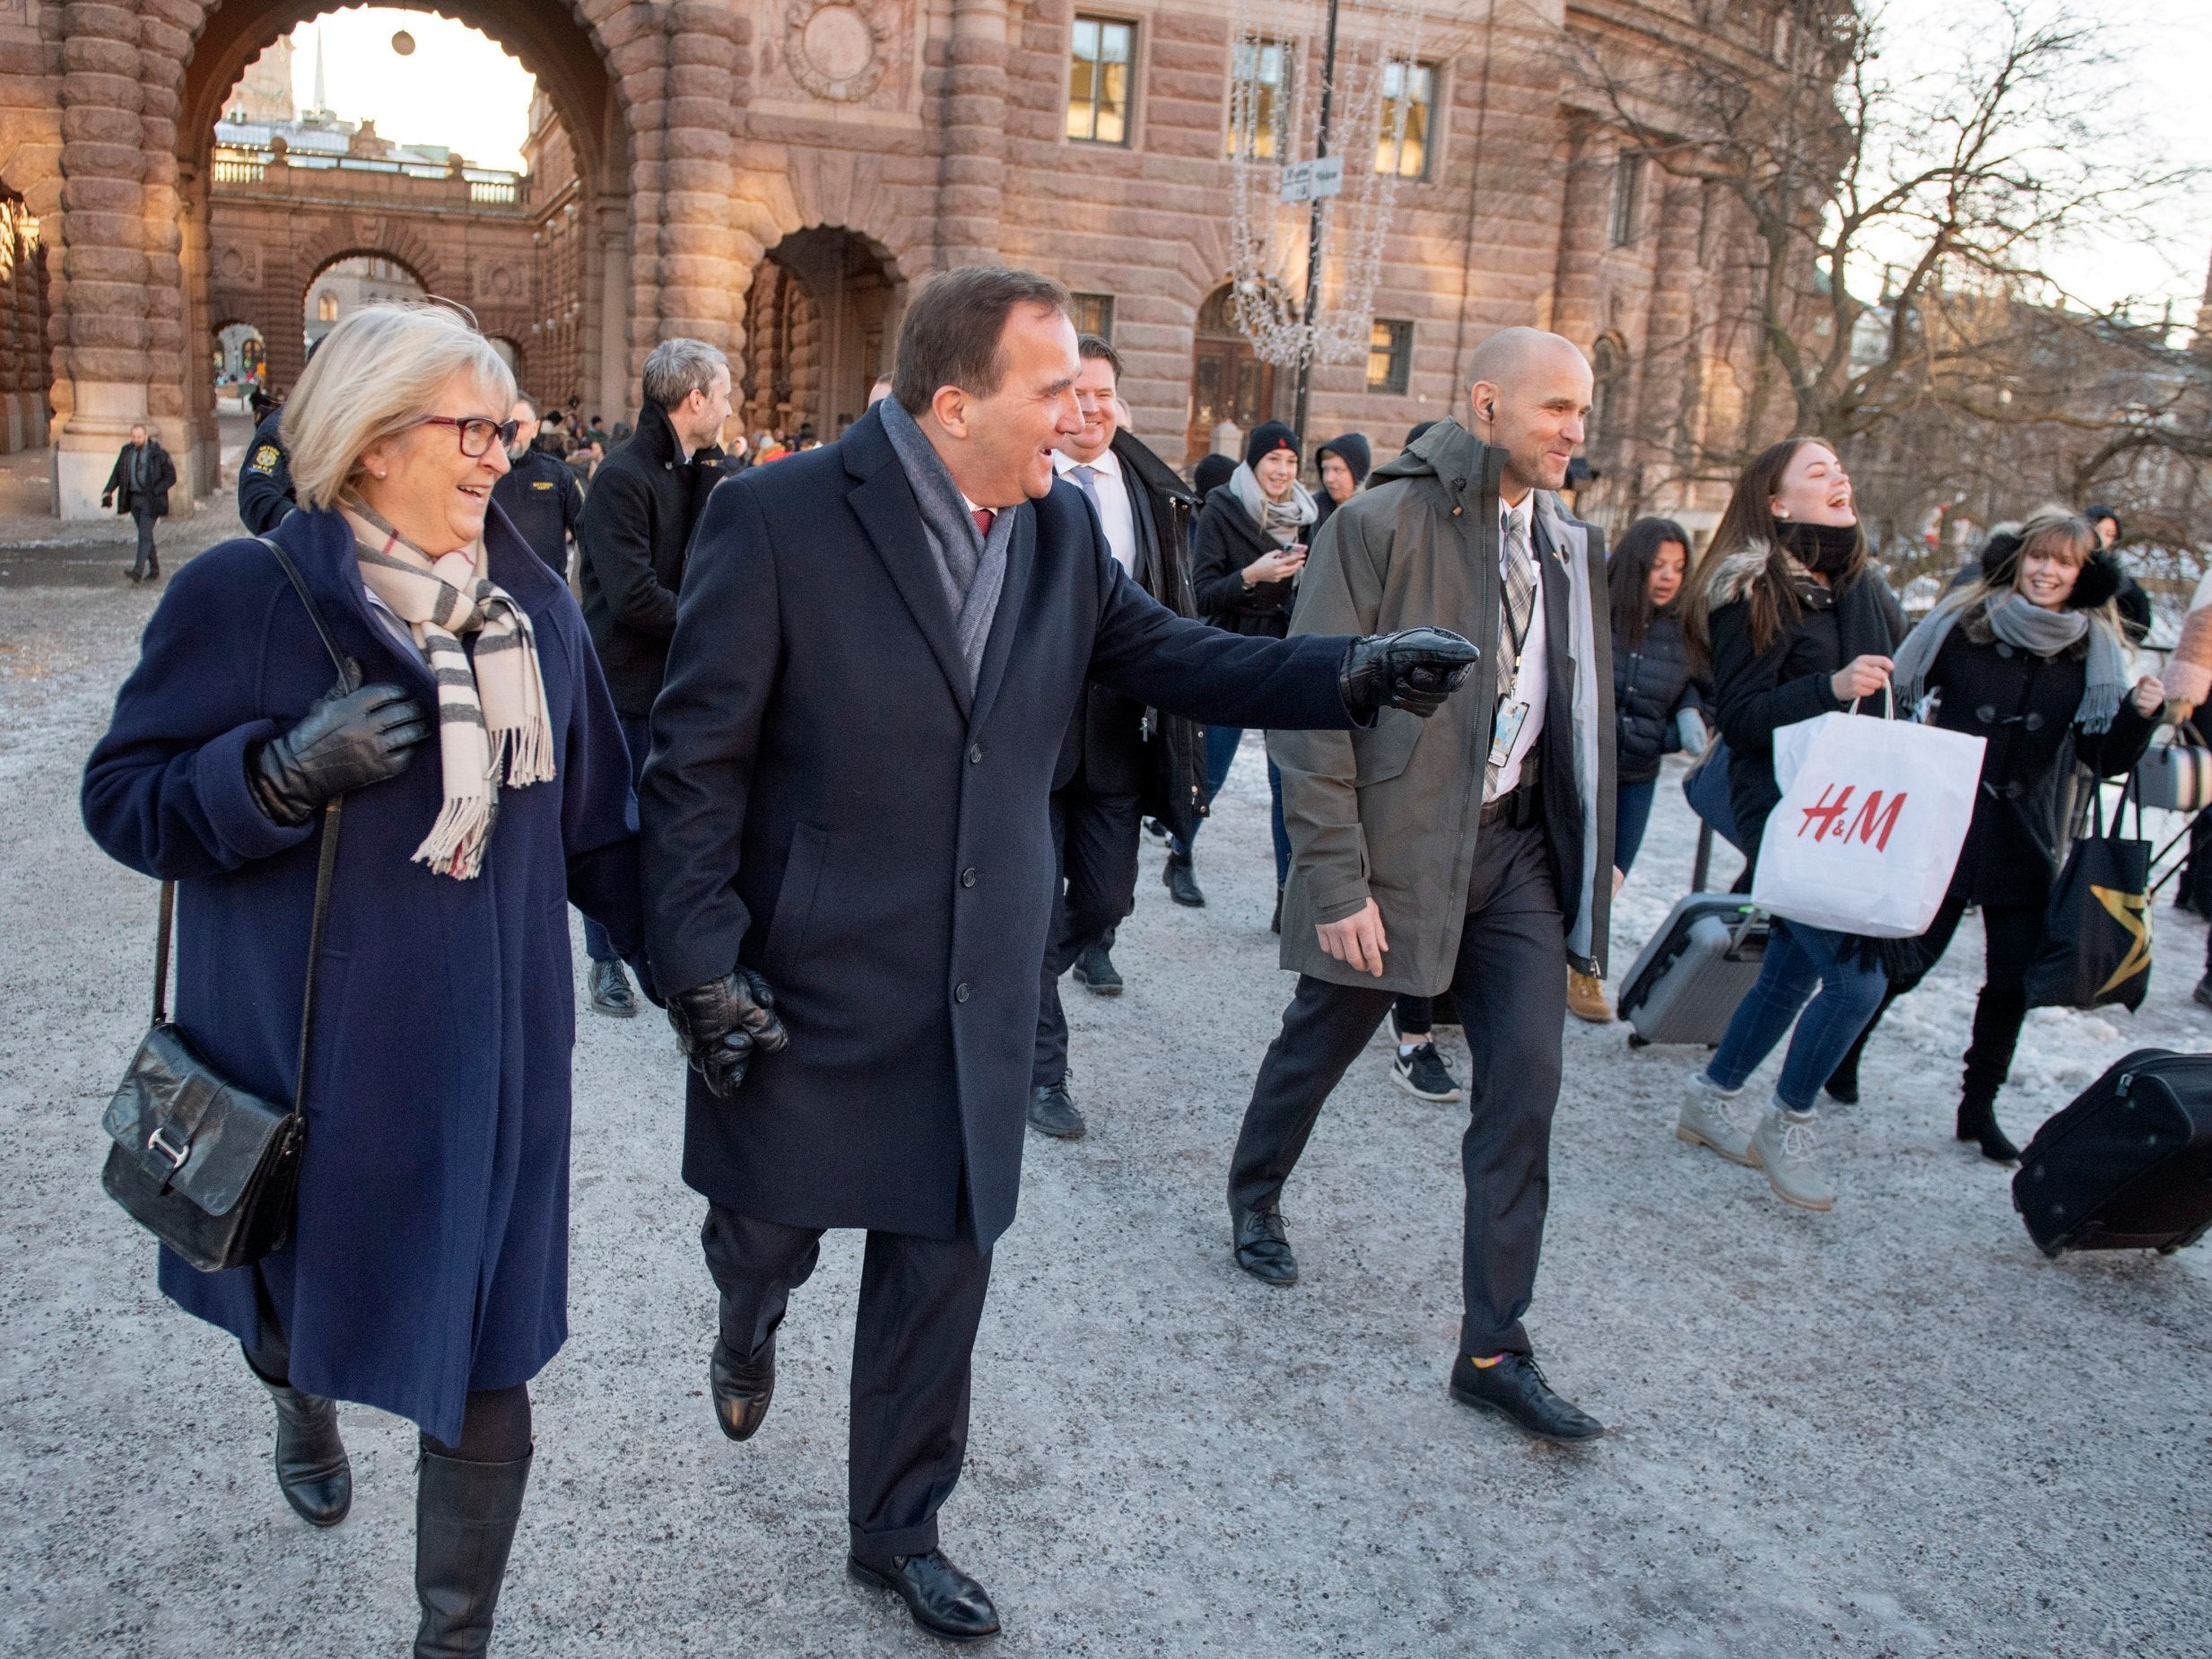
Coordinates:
(1471, 853)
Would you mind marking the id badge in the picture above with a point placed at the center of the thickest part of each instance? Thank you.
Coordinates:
(1505, 729)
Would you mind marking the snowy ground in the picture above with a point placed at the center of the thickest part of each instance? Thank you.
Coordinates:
(1894, 1430)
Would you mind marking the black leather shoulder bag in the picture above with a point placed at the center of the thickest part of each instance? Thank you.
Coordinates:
(209, 1168)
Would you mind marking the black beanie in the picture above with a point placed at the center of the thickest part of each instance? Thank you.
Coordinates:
(1267, 437)
(1211, 473)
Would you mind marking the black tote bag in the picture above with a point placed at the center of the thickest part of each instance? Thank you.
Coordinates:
(2096, 949)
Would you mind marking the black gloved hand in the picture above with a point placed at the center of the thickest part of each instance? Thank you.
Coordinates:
(1416, 669)
(345, 740)
(723, 1023)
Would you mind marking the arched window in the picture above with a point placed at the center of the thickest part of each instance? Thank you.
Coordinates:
(325, 306)
(1608, 366)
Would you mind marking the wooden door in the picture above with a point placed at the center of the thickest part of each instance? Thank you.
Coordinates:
(1227, 382)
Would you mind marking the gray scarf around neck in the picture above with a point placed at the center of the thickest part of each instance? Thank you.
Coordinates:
(972, 568)
(1280, 521)
(2028, 627)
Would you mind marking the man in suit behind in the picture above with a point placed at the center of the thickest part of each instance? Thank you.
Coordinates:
(1116, 763)
(143, 477)
(878, 648)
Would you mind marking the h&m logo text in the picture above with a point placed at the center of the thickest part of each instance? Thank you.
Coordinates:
(1873, 822)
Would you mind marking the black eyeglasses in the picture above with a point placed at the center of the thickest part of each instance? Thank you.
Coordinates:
(478, 431)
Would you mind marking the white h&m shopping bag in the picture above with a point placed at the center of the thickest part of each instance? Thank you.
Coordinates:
(1868, 830)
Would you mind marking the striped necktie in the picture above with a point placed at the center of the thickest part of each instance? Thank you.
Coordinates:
(1514, 613)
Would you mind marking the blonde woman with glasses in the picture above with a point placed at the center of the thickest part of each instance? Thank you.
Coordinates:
(486, 787)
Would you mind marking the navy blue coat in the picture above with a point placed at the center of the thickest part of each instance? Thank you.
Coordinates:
(823, 804)
(432, 1253)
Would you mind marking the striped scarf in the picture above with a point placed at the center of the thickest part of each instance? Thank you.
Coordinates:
(489, 713)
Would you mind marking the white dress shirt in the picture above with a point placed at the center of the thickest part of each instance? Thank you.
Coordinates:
(1531, 676)
(1113, 502)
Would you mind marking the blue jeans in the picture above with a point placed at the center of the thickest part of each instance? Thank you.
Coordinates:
(1798, 958)
(1631, 812)
(636, 736)
(1220, 754)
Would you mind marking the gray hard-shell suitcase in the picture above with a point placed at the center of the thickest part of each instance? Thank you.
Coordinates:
(1686, 985)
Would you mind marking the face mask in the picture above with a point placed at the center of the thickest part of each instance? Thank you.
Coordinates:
(1826, 548)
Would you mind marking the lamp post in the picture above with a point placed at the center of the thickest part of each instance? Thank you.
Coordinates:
(1314, 223)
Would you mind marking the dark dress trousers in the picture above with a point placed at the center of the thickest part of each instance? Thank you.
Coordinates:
(829, 801)
(542, 501)
(264, 478)
(431, 1250)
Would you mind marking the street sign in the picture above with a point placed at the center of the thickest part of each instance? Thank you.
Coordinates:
(1313, 181)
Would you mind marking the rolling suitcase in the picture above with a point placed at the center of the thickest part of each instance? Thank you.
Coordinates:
(1686, 985)
(2128, 1166)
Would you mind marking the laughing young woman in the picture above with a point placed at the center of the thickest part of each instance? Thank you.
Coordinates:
(486, 788)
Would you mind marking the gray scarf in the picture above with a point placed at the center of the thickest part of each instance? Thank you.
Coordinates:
(1280, 521)
(972, 567)
(2025, 627)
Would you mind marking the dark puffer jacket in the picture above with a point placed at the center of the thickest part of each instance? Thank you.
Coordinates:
(2023, 705)
(1228, 541)
(1755, 694)
(1652, 682)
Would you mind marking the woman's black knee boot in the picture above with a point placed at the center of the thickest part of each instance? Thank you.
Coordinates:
(1977, 1121)
(464, 1516)
(312, 1469)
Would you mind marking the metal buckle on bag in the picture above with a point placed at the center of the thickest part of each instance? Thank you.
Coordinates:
(158, 1142)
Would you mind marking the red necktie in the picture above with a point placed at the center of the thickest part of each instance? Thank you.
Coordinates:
(983, 516)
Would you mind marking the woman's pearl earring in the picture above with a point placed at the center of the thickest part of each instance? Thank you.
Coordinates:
(383, 474)
(1780, 513)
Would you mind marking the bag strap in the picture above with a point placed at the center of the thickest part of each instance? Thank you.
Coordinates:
(326, 864)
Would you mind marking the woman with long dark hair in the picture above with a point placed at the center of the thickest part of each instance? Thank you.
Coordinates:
(486, 787)
(2031, 658)
(1795, 623)
(1658, 695)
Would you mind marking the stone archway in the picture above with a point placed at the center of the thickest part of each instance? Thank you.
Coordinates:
(819, 318)
(648, 94)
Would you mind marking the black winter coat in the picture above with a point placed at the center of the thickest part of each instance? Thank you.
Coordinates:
(1228, 541)
(1652, 682)
(160, 479)
(1757, 692)
(541, 497)
(2023, 705)
(829, 802)
(636, 524)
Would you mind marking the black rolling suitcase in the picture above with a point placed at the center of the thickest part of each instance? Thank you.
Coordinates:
(2128, 1166)
(1698, 966)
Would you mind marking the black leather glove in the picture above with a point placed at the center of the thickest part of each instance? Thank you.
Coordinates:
(723, 1023)
(1414, 670)
(345, 740)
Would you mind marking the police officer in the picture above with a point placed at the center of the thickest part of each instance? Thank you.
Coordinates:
(264, 481)
(538, 492)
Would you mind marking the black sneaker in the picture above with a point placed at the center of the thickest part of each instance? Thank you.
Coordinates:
(1156, 829)
(1095, 968)
(1423, 1074)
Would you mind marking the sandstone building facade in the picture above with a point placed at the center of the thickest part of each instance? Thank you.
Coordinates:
(775, 175)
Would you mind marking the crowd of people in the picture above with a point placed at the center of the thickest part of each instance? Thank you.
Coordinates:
(680, 728)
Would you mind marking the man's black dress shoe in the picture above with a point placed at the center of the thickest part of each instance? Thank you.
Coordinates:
(610, 992)
(1052, 1113)
(1263, 1249)
(1095, 968)
(1182, 883)
(742, 1387)
(944, 1600)
(1516, 1390)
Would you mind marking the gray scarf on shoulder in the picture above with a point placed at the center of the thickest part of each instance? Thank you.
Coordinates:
(972, 568)
(2028, 627)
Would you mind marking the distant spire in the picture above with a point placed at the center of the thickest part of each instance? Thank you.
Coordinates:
(322, 101)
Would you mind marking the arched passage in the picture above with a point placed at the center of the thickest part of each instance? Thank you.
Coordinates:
(819, 321)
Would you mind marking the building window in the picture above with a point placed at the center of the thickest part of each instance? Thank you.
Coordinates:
(1408, 90)
(1389, 356)
(1095, 314)
(325, 306)
(1260, 102)
(1098, 81)
(1627, 197)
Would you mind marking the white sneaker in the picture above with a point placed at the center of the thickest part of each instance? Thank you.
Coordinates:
(1786, 1145)
(1709, 1119)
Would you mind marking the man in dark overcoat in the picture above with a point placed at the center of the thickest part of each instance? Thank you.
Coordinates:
(630, 543)
(878, 646)
(139, 486)
(1120, 760)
